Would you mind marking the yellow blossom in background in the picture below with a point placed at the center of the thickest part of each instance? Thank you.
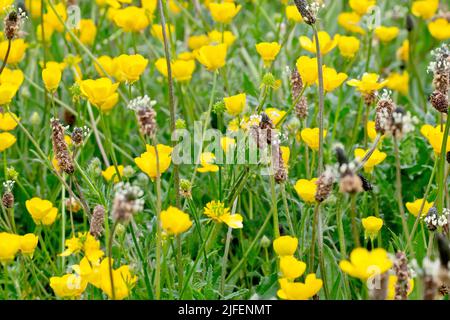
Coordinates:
(268, 51)
(122, 280)
(332, 79)
(372, 225)
(198, 41)
(33, 7)
(157, 31)
(350, 22)
(174, 221)
(293, 14)
(285, 155)
(398, 82)
(325, 41)
(212, 57)
(348, 46)
(425, 9)
(186, 56)
(48, 32)
(175, 6)
(414, 207)
(375, 159)
(291, 268)
(235, 104)
(42, 211)
(391, 287)
(130, 67)
(275, 115)
(14, 77)
(182, 70)
(147, 162)
(361, 6)
(224, 12)
(306, 189)
(9, 246)
(227, 144)
(207, 163)
(131, 19)
(365, 264)
(83, 243)
(51, 77)
(386, 34)
(68, 286)
(371, 132)
(368, 83)
(107, 64)
(285, 246)
(298, 290)
(73, 63)
(101, 93)
(218, 37)
(7, 93)
(28, 244)
(17, 52)
(149, 5)
(403, 51)
(307, 68)
(6, 140)
(111, 172)
(435, 136)
(440, 29)
(54, 19)
(311, 137)
(85, 31)
(8, 121)
(217, 211)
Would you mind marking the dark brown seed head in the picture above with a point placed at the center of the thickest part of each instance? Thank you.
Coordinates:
(77, 136)
(439, 101)
(367, 186)
(147, 121)
(369, 98)
(383, 116)
(8, 199)
(12, 25)
(324, 186)
(441, 81)
(305, 10)
(279, 166)
(402, 273)
(296, 83)
(60, 148)
(98, 217)
(350, 183)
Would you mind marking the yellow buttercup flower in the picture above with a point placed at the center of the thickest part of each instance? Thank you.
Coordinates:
(17, 51)
(285, 246)
(391, 287)
(196, 42)
(42, 211)
(9, 246)
(403, 51)
(306, 189)
(122, 279)
(311, 137)
(291, 268)
(147, 162)
(293, 14)
(298, 290)
(111, 172)
(157, 31)
(435, 136)
(7, 93)
(149, 5)
(372, 225)
(6, 140)
(130, 67)
(83, 243)
(224, 12)
(68, 286)
(365, 264)
(218, 37)
(217, 211)
(32, 6)
(440, 29)
(85, 31)
(48, 32)
(371, 132)
(8, 121)
(207, 163)
(348, 46)
(386, 34)
(212, 57)
(28, 244)
(227, 144)
(362, 6)
(425, 9)
(326, 43)
(414, 207)
(368, 84)
(268, 51)
(186, 56)
(182, 70)
(398, 82)
(131, 19)
(307, 68)
(174, 221)
(14, 77)
(350, 22)
(275, 115)
(285, 155)
(375, 159)
(235, 104)
(53, 19)
(332, 79)
(108, 64)
(101, 93)
(51, 77)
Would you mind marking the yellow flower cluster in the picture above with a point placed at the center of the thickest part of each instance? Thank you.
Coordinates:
(11, 244)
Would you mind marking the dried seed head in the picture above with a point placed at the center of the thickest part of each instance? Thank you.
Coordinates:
(367, 186)
(409, 23)
(369, 98)
(143, 106)
(77, 136)
(296, 83)
(431, 219)
(439, 101)
(430, 287)
(379, 291)
(279, 166)
(264, 132)
(350, 183)
(13, 23)
(98, 217)
(127, 202)
(308, 12)
(60, 148)
(403, 275)
(8, 199)
(324, 185)
(340, 154)
(383, 115)
(441, 81)
(444, 250)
